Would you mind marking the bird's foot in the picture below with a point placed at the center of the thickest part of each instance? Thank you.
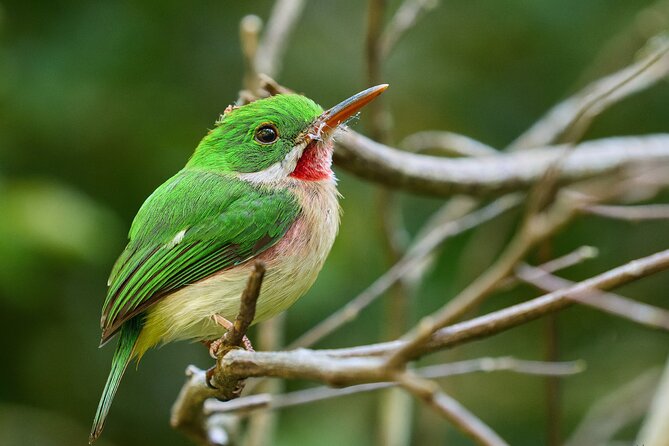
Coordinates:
(215, 345)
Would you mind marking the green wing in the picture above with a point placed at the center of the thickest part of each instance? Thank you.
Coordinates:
(194, 225)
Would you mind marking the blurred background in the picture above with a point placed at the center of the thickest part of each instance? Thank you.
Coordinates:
(102, 101)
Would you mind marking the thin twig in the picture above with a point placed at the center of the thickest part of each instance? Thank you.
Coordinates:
(504, 319)
(570, 259)
(249, 29)
(655, 430)
(535, 228)
(449, 408)
(611, 303)
(492, 175)
(247, 308)
(608, 415)
(630, 213)
(283, 18)
(187, 415)
(405, 18)
(262, 426)
(414, 255)
(570, 118)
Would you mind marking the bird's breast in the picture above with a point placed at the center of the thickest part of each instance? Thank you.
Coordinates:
(292, 265)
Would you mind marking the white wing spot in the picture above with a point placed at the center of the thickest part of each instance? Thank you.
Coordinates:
(176, 240)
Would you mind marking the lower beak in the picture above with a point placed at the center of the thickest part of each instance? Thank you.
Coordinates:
(326, 123)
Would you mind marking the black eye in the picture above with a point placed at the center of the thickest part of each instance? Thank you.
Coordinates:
(267, 134)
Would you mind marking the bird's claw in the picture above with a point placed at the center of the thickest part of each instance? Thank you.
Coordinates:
(209, 376)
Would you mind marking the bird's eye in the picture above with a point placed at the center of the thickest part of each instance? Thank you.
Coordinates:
(266, 134)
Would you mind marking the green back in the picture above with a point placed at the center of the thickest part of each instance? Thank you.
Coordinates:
(226, 222)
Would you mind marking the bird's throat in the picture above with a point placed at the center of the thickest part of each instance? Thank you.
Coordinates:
(315, 164)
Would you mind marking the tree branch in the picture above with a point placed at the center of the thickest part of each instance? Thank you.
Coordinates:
(187, 414)
(630, 213)
(492, 175)
(449, 408)
(638, 312)
(273, 44)
(415, 254)
(267, 401)
(575, 114)
(340, 367)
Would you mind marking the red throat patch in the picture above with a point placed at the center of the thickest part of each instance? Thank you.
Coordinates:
(315, 164)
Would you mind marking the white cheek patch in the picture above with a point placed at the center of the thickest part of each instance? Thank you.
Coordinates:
(277, 171)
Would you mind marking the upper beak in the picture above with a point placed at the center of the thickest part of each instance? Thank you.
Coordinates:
(326, 123)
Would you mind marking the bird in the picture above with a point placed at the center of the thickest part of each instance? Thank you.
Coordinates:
(258, 187)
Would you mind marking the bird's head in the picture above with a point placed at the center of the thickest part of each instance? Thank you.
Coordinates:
(282, 136)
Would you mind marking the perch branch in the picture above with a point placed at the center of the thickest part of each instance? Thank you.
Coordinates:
(267, 401)
(247, 307)
(504, 319)
(340, 367)
(187, 414)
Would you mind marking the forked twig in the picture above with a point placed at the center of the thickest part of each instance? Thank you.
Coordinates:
(187, 411)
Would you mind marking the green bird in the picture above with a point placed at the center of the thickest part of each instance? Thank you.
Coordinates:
(258, 186)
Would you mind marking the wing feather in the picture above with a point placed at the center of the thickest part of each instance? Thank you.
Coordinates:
(224, 222)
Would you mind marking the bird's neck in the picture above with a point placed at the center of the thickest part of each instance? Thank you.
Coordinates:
(315, 164)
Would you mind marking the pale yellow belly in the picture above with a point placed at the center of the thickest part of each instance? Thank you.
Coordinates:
(292, 267)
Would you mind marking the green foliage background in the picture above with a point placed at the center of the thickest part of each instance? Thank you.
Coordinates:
(102, 101)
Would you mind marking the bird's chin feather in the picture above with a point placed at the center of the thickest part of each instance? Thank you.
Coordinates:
(315, 164)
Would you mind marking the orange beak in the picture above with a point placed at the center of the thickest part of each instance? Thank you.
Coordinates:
(332, 118)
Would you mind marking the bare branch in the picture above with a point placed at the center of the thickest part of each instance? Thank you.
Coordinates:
(284, 17)
(626, 404)
(415, 254)
(655, 429)
(249, 29)
(447, 143)
(187, 415)
(405, 18)
(630, 213)
(274, 402)
(501, 320)
(573, 258)
(361, 364)
(535, 228)
(574, 114)
(638, 312)
(492, 175)
(261, 426)
(247, 309)
(449, 408)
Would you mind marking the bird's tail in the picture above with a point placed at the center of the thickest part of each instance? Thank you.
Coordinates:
(122, 356)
